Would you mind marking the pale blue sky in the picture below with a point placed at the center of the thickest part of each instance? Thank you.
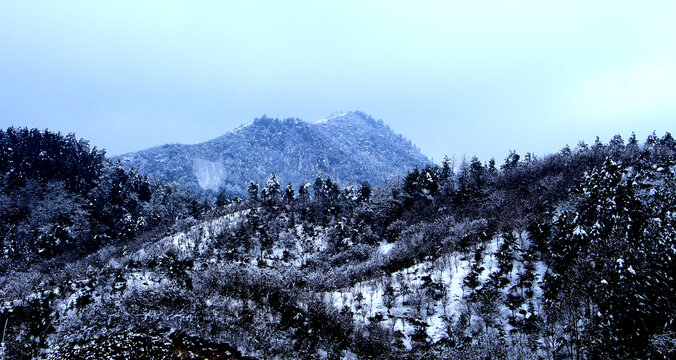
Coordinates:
(456, 77)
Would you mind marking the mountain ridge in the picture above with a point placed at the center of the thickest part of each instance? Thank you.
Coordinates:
(349, 147)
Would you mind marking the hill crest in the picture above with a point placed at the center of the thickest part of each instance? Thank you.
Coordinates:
(349, 147)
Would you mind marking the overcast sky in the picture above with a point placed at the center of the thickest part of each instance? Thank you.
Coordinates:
(470, 77)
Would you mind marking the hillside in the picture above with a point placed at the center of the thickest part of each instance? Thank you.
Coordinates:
(61, 199)
(351, 147)
(562, 257)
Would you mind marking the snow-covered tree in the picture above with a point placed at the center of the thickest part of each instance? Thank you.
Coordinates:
(272, 189)
(319, 188)
(253, 191)
(289, 194)
(304, 192)
(364, 192)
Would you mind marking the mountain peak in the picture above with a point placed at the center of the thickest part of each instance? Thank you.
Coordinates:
(350, 117)
(348, 147)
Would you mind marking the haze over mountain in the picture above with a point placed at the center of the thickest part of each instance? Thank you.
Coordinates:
(350, 147)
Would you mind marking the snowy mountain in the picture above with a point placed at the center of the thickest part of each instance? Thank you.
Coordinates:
(350, 147)
(567, 256)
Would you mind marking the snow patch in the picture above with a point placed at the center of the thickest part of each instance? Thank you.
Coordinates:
(385, 248)
(210, 174)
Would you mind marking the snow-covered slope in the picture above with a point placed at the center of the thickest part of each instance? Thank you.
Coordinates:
(350, 147)
(438, 296)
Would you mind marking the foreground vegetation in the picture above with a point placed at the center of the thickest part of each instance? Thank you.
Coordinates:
(566, 256)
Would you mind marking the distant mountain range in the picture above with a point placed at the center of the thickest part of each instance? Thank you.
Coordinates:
(350, 147)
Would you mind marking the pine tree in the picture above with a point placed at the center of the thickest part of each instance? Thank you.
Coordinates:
(348, 194)
(389, 296)
(288, 195)
(446, 171)
(222, 199)
(143, 190)
(304, 192)
(429, 180)
(272, 189)
(331, 190)
(632, 149)
(616, 147)
(412, 184)
(364, 192)
(492, 170)
(477, 172)
(512, 161)
(318, 188)
(253, 191)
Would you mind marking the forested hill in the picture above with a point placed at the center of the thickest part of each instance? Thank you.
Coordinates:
(351, 147)
(565, 256)
(59, 197)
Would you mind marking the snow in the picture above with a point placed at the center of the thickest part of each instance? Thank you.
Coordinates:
(384, 248)
(579, 231)
(196, 238)
(144, 280)
(449, 270)
(243, 126)
(354, 151)
(209, 174)
(333, 117)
